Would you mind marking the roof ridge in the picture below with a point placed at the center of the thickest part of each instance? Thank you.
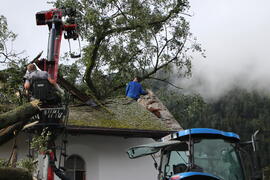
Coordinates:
(153, 104)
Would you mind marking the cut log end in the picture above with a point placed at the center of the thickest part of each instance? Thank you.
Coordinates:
(35, 103)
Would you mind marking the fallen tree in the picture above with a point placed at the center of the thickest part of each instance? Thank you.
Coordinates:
(10, 132)
(75, 92)
(20, 114)
(12, 122)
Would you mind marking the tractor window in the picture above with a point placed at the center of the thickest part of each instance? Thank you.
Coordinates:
(174, 160)
(75, 168)
(218, 157)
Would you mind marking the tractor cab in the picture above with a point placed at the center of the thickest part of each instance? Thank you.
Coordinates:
(198, 154)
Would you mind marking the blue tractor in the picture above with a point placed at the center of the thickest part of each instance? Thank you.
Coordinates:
(202, 153)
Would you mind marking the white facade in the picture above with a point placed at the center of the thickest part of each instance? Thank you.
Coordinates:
(105, 157)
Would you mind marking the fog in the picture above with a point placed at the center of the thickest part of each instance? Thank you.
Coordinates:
(236, 37)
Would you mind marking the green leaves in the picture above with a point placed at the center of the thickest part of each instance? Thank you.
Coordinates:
(40, 142)
(131, 37)
(5, 33)
(29, 164)
(6, 36)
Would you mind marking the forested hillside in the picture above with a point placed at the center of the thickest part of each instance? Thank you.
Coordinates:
(239, 111)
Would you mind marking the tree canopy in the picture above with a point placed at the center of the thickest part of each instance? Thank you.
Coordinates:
(131, 37)
(5, 36)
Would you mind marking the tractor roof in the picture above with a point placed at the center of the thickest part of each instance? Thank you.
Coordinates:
(204, 133)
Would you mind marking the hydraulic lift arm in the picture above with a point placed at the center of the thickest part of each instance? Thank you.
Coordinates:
(54, 20)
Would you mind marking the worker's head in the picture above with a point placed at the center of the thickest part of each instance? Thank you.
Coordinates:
(137, 79)
(31, 67)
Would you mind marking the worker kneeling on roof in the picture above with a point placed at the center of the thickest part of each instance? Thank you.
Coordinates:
(40, 85)
(134, 89)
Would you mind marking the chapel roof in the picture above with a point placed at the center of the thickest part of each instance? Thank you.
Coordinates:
(121, 114)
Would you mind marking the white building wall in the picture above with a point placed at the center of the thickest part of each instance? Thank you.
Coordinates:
(105, 156)
(5, 150)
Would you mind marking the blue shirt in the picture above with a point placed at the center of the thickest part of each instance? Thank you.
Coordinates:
(134, 90)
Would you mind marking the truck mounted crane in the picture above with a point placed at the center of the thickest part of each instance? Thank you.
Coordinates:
(52, 112)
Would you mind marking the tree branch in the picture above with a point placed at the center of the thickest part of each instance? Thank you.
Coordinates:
(175, 10)
(157, 48)
(147, 76)
(123, 14)
(108, 31)
(165, 64)
(6, 57)
(21, 113)
(91, 65)
(10, 132)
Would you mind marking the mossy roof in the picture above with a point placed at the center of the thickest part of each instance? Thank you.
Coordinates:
(116, 113)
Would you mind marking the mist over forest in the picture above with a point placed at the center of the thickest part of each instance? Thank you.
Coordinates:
(235, 36)
(213, 84)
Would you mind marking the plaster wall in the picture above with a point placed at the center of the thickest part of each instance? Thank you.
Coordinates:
(105, 156)
(22, 146)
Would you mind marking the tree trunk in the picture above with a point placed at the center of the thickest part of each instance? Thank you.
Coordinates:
(21, 113)
(75, 92)
(15, 173)
(12, 122)
(10, 132)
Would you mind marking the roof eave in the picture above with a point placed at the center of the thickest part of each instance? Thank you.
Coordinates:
(123, 132)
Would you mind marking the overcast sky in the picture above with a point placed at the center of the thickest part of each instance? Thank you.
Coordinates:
(234, 33)
(236, 37)
(21, 20)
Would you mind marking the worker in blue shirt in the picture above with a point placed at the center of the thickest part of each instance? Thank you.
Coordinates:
(134, 89)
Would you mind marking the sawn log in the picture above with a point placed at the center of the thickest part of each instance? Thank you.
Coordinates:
(22, 113)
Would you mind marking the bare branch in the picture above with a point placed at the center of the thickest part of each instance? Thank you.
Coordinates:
(167, 63)
(175, 10)
(6, 57)
(121, 11)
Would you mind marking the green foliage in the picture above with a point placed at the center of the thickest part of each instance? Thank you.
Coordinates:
(239, 111)
(125, 38)
(5, 36)
(3, 163)
(11, 81)
(12, 65)
(190, 110)
(71, 73)
(40, 142)
(29, 164)
(5, 33)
